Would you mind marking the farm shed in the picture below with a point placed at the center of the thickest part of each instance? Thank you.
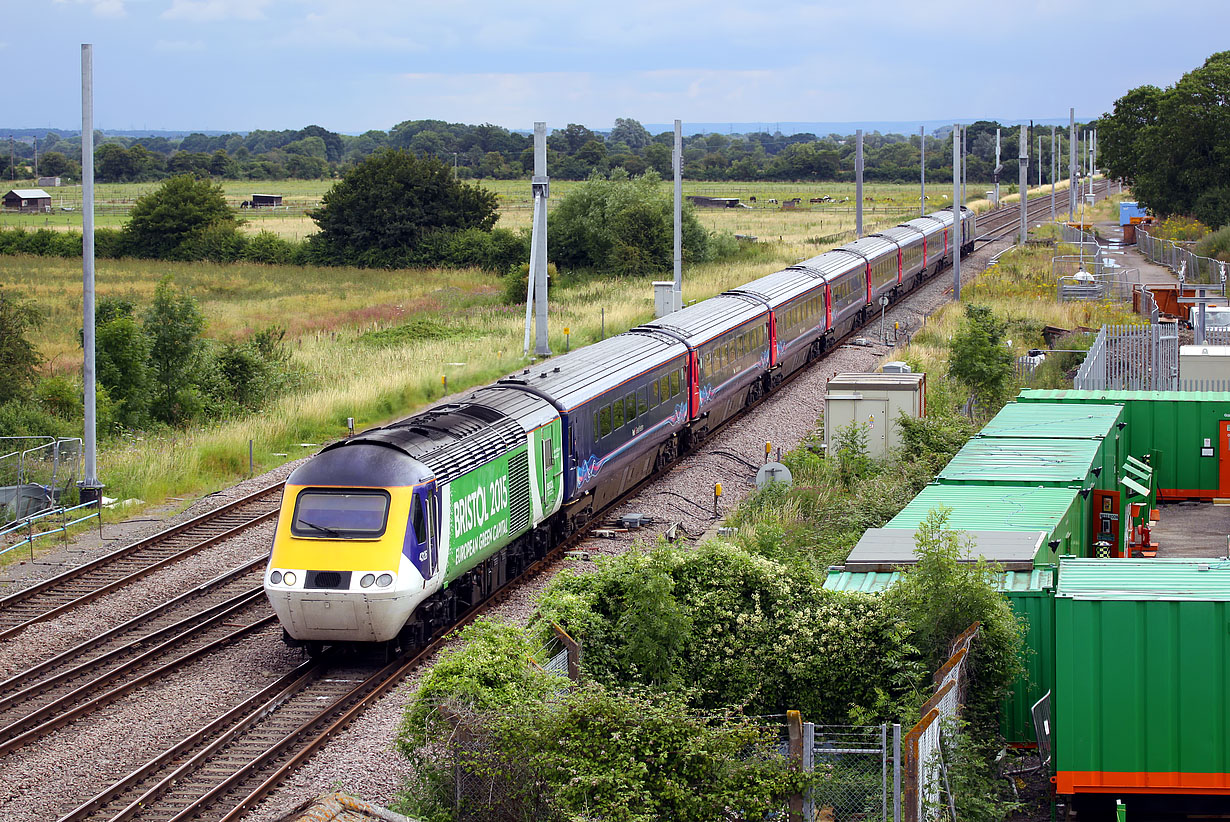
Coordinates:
(54, 182)
(715, 202)
(28, 200)
(1032, 597)
(266, 200)
(1142, 670)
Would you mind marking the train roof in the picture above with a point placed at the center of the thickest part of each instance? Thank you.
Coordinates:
(699, 323)
(530, 410)
(830, 264)
(780, 286)
(574, 379)
(448, 439)
(928, 225)
(873, 247)
(901, 234)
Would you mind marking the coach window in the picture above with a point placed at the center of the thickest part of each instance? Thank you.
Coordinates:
(674, 383)
(665, 382)
(653, 394)
(617, 415)
(642, 404)
(630, 406)
(605, 416)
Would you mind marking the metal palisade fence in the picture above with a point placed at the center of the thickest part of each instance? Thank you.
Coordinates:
(1177, 257)
(1142, 358)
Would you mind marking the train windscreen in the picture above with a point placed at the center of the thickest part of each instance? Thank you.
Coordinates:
(340, 514)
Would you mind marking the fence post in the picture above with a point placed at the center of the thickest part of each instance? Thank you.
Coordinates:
(574, 651)
(794, 726)
(896, 772)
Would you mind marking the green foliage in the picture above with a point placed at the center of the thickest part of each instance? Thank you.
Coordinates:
(932, 440)
(181, 218)
(622, 226)
(384, 211)
(19, 358)
(945, 593)
(121, 356)
(626, 755)
(853, 463)
(1180, 229)
(736, 629)
(250, 371)
(979, 357)
(489, 671)
(267, 247)
(1171, 144)
(1216, 244)
(173, 324)
(979, 793)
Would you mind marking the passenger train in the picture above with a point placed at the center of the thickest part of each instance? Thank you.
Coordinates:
(389, 534)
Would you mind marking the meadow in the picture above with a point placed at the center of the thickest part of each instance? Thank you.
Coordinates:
(378, 344)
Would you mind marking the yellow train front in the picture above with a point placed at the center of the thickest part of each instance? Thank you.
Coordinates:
(387, 535)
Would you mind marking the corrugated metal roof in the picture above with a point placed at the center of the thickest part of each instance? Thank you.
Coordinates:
(1053, 420)
(1037, 394)
(1198, 580)
(990, 507)
(1023, 460)
(881, 549)
(1194, 580)
(31, 193)
(873, 582)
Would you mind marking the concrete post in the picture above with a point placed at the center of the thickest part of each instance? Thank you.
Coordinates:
(541, 188)
(956, 211)
(678, 163)
(858, 183)
(1054, 160)
(922, 170)
(1071, 164)
(998, 166)
(1023, 161)
(90, 486)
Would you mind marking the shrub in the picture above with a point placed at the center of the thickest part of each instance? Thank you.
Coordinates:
(267, 247)
(181, 209)
(1216, 244)
(979, 357)
(18, 356)
(217, 243)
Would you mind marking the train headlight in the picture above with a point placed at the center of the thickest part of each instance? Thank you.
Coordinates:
(275, 578)
(289, 578)
(368, 580)
(384, 580)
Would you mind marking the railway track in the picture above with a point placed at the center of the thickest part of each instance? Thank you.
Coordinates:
(91, 580)
(1005, 220)
(224, 768)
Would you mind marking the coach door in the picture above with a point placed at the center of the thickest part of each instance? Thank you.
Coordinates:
(425, 522)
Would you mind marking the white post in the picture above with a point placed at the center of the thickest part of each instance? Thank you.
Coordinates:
(1039, 160)
(1023, 161)
(1054, 160)
(90, 486)
(922, 170)
(677, 300)
(998, 166)
(956, 211)
(964, 167)
(858, 183)
(541, 189)
(1071, 164)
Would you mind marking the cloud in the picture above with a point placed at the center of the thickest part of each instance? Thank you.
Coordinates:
(213, 11)
(101, 8)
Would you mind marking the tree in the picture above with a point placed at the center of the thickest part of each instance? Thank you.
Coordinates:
(387, 206)
(173, 324)
(622, 226)
(979, 358)
(181, 208)
(122, 361)
(631, 133)
(18, 356)
(1173, 144)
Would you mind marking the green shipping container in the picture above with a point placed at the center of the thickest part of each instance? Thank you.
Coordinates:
(1061, 512)
(1032, 596)
(1184, 435)
(1051, 462)
(1104, 424)
(1142, 673)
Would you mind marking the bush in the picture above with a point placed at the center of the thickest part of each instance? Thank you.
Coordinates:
(18, 356)
(1216, 245)
(267, 247)
(495, 250)
(979, 357)
(218, 243)
(109, 243)
(622, 226)
(182, 210)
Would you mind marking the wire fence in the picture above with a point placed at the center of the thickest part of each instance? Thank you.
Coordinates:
(1181, 259)
(852, 764)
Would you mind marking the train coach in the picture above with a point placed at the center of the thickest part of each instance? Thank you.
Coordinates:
(386, 536)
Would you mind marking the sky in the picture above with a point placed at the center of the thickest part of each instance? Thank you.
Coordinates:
(354, 65)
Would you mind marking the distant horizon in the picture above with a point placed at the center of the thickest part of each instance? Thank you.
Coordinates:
(785, 127)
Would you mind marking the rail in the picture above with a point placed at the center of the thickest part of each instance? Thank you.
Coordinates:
(1196, 269)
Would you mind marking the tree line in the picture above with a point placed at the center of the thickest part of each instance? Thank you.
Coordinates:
(492, 152)
(1173, 144)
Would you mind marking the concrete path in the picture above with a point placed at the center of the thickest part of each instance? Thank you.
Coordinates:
(1129, 257)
